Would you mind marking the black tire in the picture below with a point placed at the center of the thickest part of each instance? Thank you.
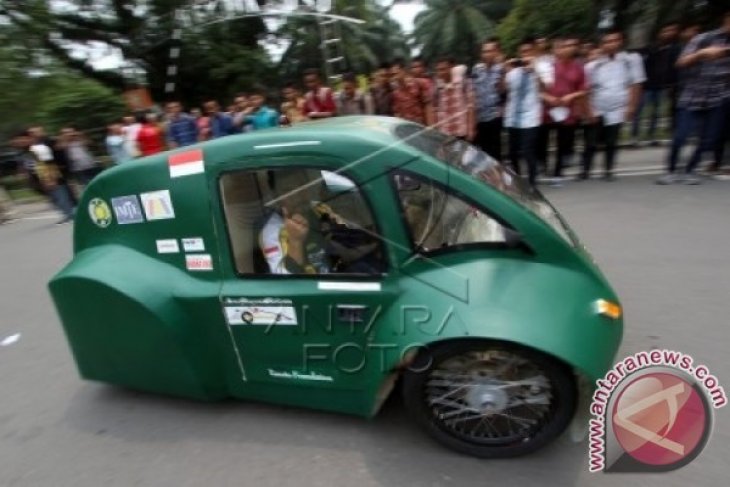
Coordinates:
(551, 420)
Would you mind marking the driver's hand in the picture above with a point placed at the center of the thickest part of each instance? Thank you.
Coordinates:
(297, 226)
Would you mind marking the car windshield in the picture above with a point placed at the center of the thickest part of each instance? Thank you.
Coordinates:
(471, 160)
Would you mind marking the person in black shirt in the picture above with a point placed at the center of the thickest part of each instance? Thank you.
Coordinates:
(661, 78)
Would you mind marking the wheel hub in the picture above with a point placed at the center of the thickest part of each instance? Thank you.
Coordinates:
(487, 398)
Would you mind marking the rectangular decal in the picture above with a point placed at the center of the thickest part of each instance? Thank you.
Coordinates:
(128, 210)
(193, 244)
(157, 205)
(199, 262)
(186, 163)
(168, 246)
(348, 286)
(264, 311)
(297, 375)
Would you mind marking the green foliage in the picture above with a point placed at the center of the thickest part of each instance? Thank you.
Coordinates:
(455, 28)
(546, 18)
(84, 104)
(364, 46)
(142, 32)
(36, 90)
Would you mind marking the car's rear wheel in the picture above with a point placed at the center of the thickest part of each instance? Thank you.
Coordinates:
(488, 399)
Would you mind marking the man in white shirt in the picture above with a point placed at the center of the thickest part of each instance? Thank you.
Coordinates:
(523, 113)
(130, 129)
(615, 82)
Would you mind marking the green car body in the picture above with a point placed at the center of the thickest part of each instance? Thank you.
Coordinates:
(141, 313)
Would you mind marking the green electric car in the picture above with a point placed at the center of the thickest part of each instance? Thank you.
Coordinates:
(324, 264)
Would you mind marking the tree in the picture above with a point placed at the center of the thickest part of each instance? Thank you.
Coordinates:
(452, 27)
(547, 18)
(141, 32)
(364, 46)
(649, 15)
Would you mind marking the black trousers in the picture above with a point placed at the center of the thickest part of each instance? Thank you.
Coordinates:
(723, 138)
(489, 137)
(609, 135)
(541, 147)
(565, 135)
(523, 144)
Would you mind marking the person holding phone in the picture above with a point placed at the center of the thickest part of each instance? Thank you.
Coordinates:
(704, 100)
(523, 112)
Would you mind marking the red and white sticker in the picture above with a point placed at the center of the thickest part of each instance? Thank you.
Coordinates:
(186, 163)
(199, 262)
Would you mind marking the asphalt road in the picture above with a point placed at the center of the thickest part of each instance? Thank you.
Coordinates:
(665, 249)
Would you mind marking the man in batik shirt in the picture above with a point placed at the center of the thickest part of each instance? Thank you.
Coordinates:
(411, 96)
(453, 102)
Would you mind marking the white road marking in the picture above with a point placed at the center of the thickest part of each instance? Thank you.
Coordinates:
(10, 340)
(44, 216)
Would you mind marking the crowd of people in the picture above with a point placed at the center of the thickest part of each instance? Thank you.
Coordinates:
(554, 89)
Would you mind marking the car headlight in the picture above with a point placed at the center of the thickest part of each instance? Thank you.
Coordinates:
(608, 309)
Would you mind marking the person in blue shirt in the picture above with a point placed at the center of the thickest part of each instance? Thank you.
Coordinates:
(181, 129)
(262, 116)
(221, 124)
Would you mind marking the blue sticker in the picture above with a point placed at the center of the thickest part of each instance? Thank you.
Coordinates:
(128, 210)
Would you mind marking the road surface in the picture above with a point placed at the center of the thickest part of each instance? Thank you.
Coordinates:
(665, 249)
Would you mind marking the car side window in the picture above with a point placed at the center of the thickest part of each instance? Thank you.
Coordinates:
(438, 219)
(299, 221)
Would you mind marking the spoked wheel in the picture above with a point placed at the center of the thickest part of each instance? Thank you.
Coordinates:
(490, 400)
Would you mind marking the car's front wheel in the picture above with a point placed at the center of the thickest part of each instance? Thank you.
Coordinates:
(488, 399)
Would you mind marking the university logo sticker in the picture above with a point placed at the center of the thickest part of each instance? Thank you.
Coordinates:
(127, 210)
(100, 213)
(186, 163)
(157, 205)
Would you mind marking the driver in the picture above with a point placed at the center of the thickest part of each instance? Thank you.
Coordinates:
(291, 239)
(305, 236)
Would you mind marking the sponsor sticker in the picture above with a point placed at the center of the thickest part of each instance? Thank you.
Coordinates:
(168, 246)
(296, 375)
(186, 163)
(193, 244)
(100, 213)
(127, 210)
(199, 262)
(260, 311)
(158, 205)
(349, 286)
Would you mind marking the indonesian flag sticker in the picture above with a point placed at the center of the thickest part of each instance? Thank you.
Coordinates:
(186, 163)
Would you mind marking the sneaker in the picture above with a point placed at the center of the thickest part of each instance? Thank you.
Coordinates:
(65, 220)
(668, 179)
(691, 180)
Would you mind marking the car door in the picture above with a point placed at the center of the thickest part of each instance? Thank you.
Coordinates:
(291, 326)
